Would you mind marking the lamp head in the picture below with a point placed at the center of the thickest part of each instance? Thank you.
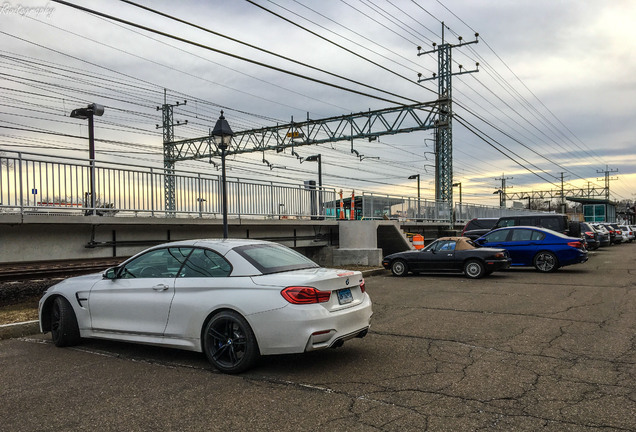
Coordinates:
(223, 131)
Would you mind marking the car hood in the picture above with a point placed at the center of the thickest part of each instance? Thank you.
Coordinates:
(320, 278)
(84, 282)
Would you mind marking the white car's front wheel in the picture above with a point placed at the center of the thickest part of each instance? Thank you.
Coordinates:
(64, 328)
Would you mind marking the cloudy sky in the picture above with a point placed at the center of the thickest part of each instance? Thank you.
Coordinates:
(555, 91)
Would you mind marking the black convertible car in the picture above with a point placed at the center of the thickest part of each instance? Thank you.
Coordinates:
(449, 254)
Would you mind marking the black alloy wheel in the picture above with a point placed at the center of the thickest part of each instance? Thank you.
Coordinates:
(229, 343)
(64, 328)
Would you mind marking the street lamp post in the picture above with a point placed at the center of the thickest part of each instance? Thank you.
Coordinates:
(501, 199)
(460, 191)
(83, 114)
(461, 213)
(223, 131)
(417, 176)
(549, 203)
(318, 158)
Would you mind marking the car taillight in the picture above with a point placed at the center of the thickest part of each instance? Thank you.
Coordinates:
(305, 295)
(363, 286)
(619, 232)
(576, 244)
(589, 233)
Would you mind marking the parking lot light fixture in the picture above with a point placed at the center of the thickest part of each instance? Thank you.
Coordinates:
(412, 177)
(224, 133)
(88, 113)
(318, 158)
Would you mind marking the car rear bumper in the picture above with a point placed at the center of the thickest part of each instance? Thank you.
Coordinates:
(300, 328)
(497, 265)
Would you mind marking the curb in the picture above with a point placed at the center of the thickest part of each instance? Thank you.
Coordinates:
(373, 272)
(14, 330)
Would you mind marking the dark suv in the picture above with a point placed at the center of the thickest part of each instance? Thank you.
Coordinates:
(476, 228)
(555, 222)
(591, 236)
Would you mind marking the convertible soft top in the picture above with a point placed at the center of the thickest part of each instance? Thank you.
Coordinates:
(463, 243)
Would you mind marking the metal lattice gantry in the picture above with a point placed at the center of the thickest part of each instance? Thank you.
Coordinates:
(370, 124)
(590, 192)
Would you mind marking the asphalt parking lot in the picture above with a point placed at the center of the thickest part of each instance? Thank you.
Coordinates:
(518, 351)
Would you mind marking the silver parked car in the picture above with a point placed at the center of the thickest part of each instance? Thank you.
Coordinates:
(628, 233)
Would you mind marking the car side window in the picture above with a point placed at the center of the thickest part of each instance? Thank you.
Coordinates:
(521, 235)
(506, 223)
(431, 247)
(164, 262)
(497, 236)
(447, 245)
(205, 263)
(550, 223)
(537, 236)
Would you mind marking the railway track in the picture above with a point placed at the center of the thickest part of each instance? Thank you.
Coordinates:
(52, 269)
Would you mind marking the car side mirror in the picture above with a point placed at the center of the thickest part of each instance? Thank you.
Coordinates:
(110, 273)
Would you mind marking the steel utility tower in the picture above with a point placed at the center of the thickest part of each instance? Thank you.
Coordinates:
(607, 173)
(168, 152)
(444, 135)
(502, 191)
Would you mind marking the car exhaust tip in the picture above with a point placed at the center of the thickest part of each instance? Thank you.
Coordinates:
(363, 333)
(337, 344)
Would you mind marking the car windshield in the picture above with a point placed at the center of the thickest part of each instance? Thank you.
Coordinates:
(273, 258)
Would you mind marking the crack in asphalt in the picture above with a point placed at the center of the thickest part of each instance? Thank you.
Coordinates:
(483, 312)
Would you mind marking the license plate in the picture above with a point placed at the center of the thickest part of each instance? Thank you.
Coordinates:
(344, 296)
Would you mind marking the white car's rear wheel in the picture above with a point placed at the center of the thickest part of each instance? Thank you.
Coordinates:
(229, 343)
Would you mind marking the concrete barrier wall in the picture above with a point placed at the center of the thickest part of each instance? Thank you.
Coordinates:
(26, 238)
(44, 238)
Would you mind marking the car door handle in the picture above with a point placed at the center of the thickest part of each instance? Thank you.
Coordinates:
(160, 287)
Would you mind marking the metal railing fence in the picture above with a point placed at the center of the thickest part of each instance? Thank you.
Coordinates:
(35, 183)
(32, 183)
(465, 212)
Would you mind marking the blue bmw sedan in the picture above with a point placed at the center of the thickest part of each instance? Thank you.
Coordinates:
(542, 248)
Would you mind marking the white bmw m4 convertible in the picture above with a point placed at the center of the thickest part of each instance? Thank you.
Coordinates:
(233, 300)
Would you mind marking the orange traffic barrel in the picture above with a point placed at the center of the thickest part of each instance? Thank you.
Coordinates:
(418, 241)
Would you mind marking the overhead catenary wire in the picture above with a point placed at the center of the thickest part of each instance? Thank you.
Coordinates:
(488, 131)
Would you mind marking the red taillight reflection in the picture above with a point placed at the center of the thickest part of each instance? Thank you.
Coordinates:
(305, 295)
(363, 286)
(576, 244)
